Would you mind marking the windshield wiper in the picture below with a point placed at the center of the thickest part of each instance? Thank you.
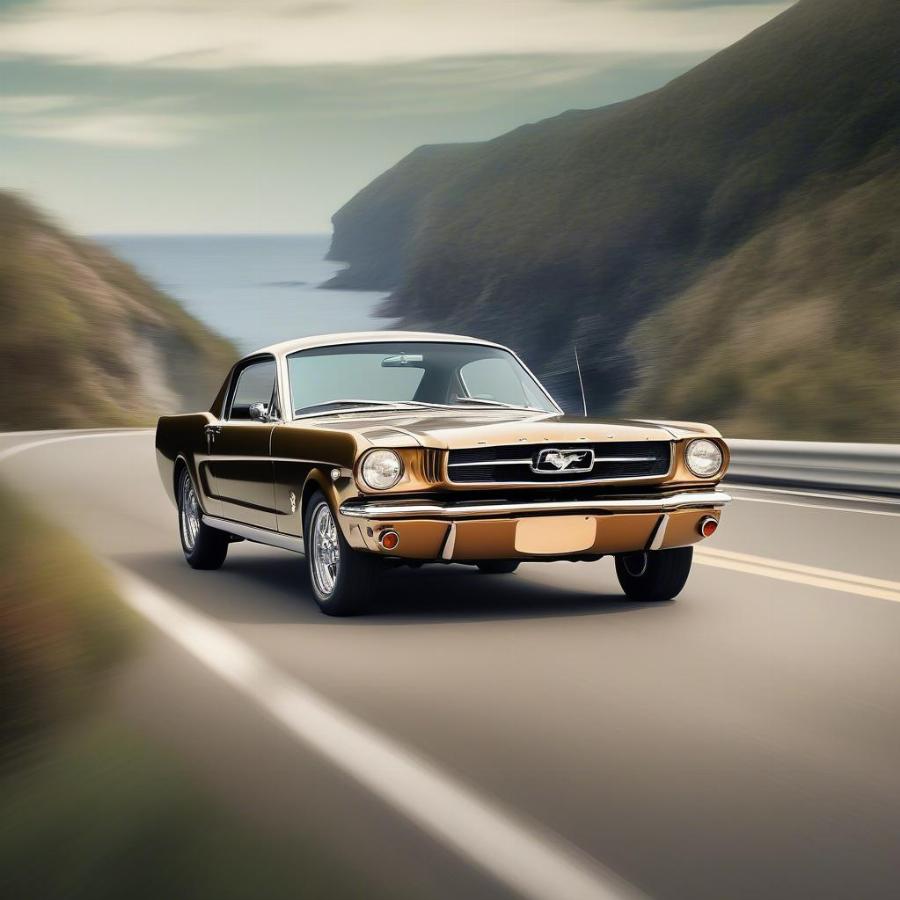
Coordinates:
(363, 404)
(407, 404)
(462, 400)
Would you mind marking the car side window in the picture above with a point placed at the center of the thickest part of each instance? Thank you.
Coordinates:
(255, 384)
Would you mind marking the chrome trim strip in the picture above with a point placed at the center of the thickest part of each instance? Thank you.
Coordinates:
(659, 533)
(582, 482)
(527, 462)
(385, 509)
(226, 457)
(491, 462)
(260, 535)
(449, 542)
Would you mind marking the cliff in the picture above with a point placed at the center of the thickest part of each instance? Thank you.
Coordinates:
(748, 200)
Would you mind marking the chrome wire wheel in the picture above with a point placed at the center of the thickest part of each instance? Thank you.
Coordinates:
(326, 551)
(189, 512)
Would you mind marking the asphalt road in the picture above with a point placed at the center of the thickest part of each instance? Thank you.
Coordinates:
(740, 742)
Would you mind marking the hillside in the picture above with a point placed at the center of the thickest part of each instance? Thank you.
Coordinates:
(85, 340)
(749, 199)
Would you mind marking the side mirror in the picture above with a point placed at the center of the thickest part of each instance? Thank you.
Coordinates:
(259, 412)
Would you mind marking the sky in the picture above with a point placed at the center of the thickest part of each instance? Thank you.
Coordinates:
(205, 116)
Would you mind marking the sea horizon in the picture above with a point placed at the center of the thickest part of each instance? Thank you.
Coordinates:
(255, 289)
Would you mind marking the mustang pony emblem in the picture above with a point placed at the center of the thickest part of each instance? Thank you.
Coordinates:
(568, 460)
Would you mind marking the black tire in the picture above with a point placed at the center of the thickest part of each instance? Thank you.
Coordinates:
(204, 547)
(655, 575)
(355, 574)
(498, 566)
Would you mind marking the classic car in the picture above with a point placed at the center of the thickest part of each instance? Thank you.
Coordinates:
(363, 451)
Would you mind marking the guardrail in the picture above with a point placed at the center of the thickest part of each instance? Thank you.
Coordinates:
(869, 468)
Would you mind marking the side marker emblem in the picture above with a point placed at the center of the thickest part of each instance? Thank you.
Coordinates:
(293, 499)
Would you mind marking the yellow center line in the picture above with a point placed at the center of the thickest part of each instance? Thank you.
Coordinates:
(831, 579)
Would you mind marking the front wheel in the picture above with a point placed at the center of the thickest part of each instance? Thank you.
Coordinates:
(204, 547)
(652, 576)
(342, 579)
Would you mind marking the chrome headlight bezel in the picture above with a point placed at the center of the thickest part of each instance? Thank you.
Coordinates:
(368, 474)
(712, 453)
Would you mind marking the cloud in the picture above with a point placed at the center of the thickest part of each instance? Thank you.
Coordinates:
(29, 104)
(207, 34)
(312, 9)
(86, 121)
(112, 130)
(460, 84)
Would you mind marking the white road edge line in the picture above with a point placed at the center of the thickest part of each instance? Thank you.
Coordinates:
(534, 863)
(16, 449)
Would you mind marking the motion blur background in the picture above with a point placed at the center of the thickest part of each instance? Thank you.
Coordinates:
(701, 195)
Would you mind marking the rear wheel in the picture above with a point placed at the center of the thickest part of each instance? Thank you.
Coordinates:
(654, 575)
(498, 566)
(342, 579)
(204, 547)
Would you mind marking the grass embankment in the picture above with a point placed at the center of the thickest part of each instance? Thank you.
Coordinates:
(85, 340)
(88, 807)
(62, 631)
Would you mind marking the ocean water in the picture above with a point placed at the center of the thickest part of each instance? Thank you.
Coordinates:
(253, 289)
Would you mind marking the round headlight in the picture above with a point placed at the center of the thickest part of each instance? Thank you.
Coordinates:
(703, 458)
(381, 469)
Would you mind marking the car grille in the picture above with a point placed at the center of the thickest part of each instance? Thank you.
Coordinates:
(513, 464)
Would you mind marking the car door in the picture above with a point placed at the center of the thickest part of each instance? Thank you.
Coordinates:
(239, 446)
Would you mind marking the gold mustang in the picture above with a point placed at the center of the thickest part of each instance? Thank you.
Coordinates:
(366, 450)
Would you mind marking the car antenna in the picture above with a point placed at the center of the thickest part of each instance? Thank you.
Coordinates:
(580, 382)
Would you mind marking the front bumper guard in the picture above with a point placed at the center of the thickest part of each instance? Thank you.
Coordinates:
(417, 509)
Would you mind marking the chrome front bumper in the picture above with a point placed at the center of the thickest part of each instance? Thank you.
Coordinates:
(418, 509)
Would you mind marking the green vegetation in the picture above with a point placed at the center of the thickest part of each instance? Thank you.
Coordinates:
(62, 630)
(811, 352)
(85, 340)
(681, 237)
(90, 808)
(107, 816)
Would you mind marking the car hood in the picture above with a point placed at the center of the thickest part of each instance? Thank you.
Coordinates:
(450, 429)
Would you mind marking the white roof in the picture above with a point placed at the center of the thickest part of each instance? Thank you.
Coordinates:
(366, 337)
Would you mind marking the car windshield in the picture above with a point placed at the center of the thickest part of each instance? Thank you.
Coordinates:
(410, 374)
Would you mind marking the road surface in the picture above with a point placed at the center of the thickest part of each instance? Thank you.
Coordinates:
(740, 742)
